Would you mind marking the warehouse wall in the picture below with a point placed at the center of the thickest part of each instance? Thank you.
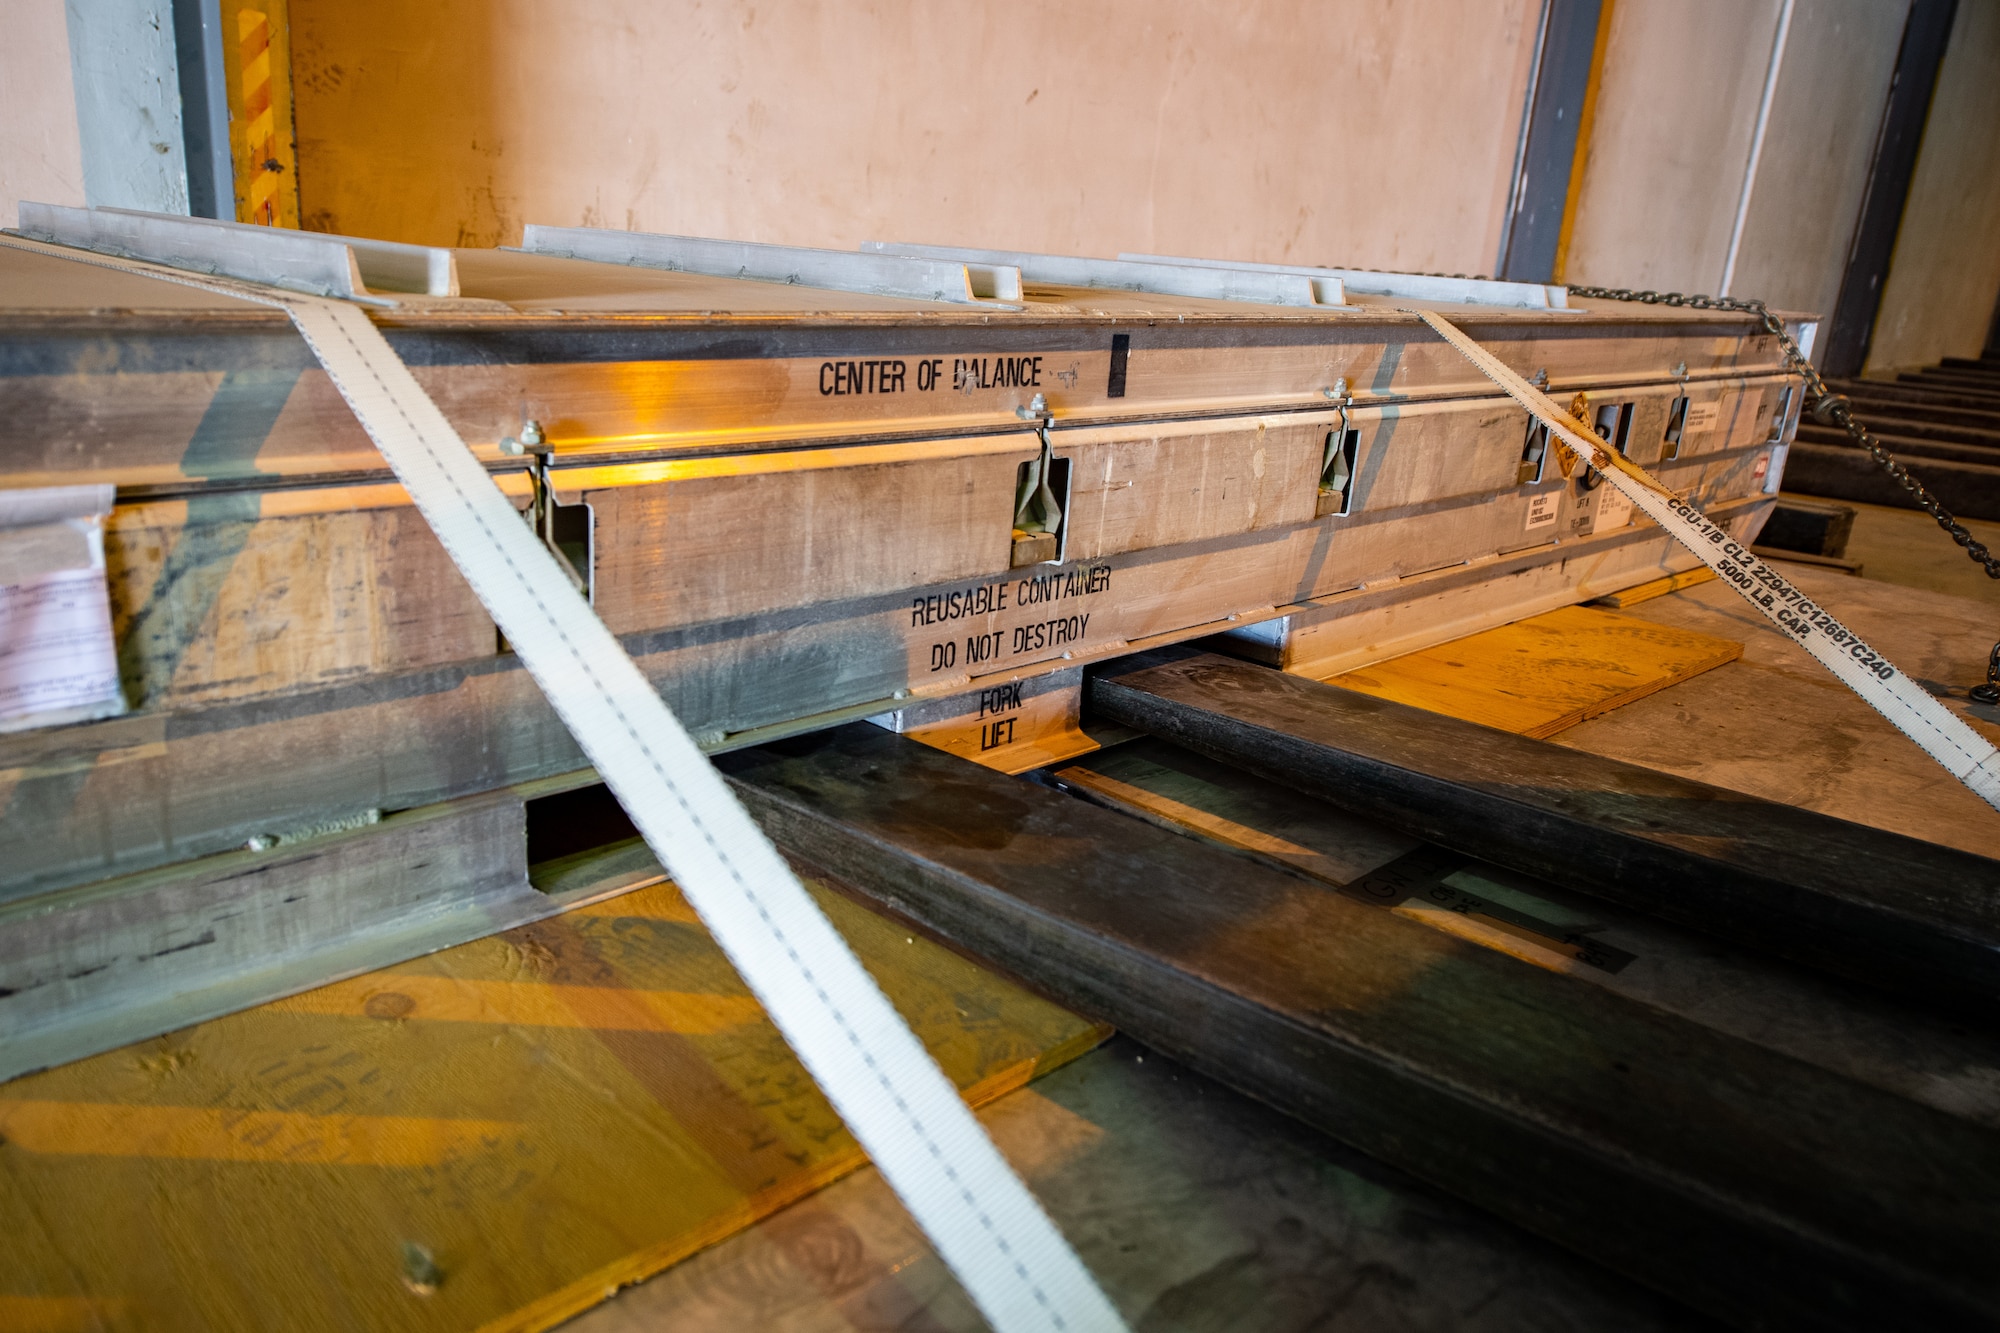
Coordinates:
(1162, 125)
(1944, 278)
(1670, 155)
(40, 155)
(1819, 145)
(1352, 131)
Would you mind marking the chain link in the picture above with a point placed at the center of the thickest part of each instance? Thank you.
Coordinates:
(1822, 402)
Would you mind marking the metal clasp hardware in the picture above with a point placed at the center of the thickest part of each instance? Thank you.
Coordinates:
(1038, 509)
(1336, 469)
(1342, 396)
(1989, 692)
(1535, 445)
(544, 513)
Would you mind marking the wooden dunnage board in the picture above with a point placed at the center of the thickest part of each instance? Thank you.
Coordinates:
(1871, 906)
(521, 1124)
(1545, 674)
(1855, 1031)
(1755, 1186)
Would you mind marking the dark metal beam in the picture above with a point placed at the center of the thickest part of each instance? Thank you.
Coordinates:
(204, 108)
(1548, 145)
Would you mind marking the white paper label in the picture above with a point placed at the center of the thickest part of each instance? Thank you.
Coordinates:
(1614, 509)
(57, 656)
(1701, 417)
(1542, 509)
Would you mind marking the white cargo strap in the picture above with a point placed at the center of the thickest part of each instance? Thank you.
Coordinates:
(1944, 736)
(898, 1103)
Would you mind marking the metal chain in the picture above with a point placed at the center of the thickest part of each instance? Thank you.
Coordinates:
(1825, 405)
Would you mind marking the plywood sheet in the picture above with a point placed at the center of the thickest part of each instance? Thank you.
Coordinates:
(1547, 673)
(1777, 726)
(494, 1137)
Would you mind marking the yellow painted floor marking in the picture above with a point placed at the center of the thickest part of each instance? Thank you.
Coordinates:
(222, 1134)
(1512, 943)
(1547, 673)
(527, 1003)
(1215, 826)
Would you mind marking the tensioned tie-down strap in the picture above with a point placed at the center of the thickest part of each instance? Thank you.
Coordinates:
(907, 1115)
(1944, 736)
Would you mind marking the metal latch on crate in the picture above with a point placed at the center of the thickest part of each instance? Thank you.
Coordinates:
(1336, 472)
(1040, 491)
(564, 529)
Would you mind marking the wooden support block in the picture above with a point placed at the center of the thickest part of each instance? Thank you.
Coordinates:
(1646, 592)
(1845, 566)
(1756, 1187)
(1935, 1059)
(1875, 907)
(1808, 527)
(1545, 674)
(1031, 548)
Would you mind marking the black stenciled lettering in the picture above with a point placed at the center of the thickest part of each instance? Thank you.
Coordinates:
(1002, 698)
(841, 379)
(1050, 633)
(978, 600)
(1080, 582)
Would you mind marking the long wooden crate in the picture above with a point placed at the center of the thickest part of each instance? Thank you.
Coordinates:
(796, 505)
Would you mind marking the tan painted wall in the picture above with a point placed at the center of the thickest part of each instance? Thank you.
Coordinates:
(1676, 115)
(1350, 132)
(1826, 115)
(1945, 274)
(41, 157)
(1676, 106)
